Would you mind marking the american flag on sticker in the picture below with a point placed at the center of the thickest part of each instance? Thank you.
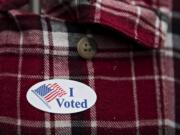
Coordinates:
(49, 92)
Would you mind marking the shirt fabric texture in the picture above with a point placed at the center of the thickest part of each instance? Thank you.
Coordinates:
(135, 72)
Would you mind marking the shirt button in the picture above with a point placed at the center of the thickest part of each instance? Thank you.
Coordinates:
(86, 47)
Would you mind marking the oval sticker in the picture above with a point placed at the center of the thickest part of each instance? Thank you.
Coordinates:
(61, 96)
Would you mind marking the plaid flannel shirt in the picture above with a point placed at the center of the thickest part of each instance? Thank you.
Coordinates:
(135, 72)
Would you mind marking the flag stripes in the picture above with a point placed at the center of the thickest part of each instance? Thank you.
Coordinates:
(50, 92)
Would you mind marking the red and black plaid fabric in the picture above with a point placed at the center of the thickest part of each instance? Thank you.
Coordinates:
(135, 72)
(11, 4)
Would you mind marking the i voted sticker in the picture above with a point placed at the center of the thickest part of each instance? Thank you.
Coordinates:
(61, 96)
